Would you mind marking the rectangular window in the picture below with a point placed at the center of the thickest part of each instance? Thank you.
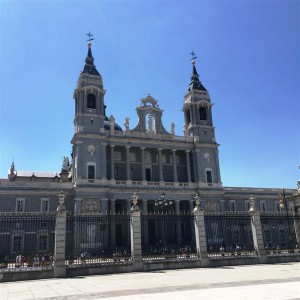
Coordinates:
(91, 172)
(247, 205)
(263, 206)
(117, 155)
(208, 176)
(232, 205)
(44, 205)
(132, 156)
(20, 205)
(163, 158)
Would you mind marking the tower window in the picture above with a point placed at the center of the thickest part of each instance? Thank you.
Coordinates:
(202, 112)
(91, 101)
(91, 172)
(208, 176)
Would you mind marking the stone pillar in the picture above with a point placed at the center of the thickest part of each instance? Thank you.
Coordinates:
(112, 225)
(103, 161)
(160, 169)
(178, 224)
(188, 166)
(174, 165)
(200, 236)
(112, 162)
(136, 238)
(127, 163)
(104, 206)
(143, 163)
(60, 238)
(77, 208)
(258, 236)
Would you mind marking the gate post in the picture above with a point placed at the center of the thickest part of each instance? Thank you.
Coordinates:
(200, 233)
(60, 235)
(135, 235)
(257, 232)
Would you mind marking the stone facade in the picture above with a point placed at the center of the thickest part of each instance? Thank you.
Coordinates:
(109, 164)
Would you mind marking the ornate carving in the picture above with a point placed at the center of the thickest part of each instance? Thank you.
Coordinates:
(90, 206)
(91, 149)
(206, 156)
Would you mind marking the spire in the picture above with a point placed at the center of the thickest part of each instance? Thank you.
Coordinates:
(89, 67)
(195, 82)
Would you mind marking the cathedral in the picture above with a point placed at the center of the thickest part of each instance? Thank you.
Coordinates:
(108, 163)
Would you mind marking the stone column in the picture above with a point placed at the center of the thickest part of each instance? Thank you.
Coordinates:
(198, 166)
(112, 224)
(112, 162)
(136, 238)
(258, 236)
(127, 163)
(103, 161)
(143, 163)
(200, 236)
(174, 165)
(60, 238)
(160, 169)
(188, 166)
(178, 223)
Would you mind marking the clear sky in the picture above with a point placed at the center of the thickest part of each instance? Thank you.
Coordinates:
(248, 59)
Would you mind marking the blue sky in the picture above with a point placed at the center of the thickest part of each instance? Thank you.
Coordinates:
(248, 59)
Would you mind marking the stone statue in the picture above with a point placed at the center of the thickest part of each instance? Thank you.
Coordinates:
(150, 124)
(126, 124)
(186, 129)
(111, 123)
(172, 128)
(65, 164)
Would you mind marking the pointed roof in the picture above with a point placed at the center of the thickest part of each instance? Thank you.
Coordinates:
(195, 82)
(89, 67)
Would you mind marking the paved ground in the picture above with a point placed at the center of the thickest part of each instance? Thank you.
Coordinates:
(281, 281)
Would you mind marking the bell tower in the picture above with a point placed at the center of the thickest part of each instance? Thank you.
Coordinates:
(197, 110)
(89, 97)
(89, 150)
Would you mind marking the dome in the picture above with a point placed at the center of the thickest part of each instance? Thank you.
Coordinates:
(107, 126)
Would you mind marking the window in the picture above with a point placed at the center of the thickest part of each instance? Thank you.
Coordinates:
(187, 116)
(247, 205)
(91, 101)
(208, 176)
(262, 205)
(117, 155)
(232, 205)
(20, 205)
(132, 156)
(43, 243)
(91, 172)
(163, 158)
(202, 113)
(44, 205)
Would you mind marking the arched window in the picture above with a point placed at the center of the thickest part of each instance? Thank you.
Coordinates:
(202, 113)
(91, 101)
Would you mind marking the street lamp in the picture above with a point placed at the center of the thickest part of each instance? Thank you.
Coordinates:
(283, 203)
(162, 203)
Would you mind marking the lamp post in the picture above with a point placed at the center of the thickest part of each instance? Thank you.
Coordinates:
(162, 205)
(283, 203)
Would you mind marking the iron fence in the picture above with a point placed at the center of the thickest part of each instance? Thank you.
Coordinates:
(168, 236)
(279, 232)
(27, 240)
(97, 239)
(229, 234)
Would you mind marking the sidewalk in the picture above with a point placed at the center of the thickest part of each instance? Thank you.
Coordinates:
(281, 281)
